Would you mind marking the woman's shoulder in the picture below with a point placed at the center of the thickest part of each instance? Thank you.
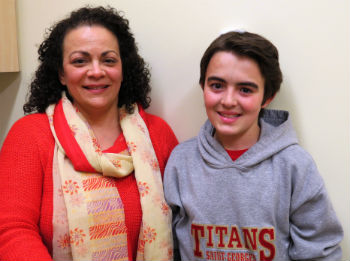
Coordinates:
(29, 140)
(162, 137)
(35, 121)
(157, 126)
(153, 121)
(33, 127)
(39, 117)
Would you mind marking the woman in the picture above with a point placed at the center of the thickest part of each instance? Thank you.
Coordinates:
(82, 175)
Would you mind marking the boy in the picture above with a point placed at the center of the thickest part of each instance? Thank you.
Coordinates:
(244, 189)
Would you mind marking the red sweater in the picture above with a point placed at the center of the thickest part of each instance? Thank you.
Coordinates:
(26, 204)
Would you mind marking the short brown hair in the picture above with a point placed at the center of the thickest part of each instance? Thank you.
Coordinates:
(251, 45)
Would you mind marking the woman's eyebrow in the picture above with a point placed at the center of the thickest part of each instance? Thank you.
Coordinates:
(80, 52)
(110, 51)
(87, 53)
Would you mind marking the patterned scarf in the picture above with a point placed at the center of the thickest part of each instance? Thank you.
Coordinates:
(88, 214)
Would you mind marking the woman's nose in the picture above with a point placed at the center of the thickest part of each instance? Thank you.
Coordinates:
(96, 70)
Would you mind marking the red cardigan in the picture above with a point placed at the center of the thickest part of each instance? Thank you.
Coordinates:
(26, 204)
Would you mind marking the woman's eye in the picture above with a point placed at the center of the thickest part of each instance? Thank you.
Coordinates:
(78, 61)
(110, 61)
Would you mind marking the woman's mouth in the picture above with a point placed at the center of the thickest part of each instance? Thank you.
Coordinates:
(95, 87)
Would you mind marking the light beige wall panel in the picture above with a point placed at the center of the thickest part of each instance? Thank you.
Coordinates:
(8, 37)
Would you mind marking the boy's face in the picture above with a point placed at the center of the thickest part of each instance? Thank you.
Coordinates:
(233, 94)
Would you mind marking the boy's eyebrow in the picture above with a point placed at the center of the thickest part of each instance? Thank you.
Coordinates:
(251, 84)
(215, 78)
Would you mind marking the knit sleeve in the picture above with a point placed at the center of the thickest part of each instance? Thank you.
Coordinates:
(162, 137)
(21, 179)
(315, 229)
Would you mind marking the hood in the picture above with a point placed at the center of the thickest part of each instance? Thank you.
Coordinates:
(276, 134)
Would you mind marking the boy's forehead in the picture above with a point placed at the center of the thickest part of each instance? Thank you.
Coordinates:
(229, 64)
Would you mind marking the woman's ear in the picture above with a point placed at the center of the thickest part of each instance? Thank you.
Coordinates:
(268, 101)
(61, 77)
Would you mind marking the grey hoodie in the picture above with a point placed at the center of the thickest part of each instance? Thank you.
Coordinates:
(269, 204)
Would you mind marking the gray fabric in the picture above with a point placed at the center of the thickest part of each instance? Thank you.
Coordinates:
(271, 200)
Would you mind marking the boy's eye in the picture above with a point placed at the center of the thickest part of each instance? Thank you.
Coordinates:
(246, 90)
(216, 85)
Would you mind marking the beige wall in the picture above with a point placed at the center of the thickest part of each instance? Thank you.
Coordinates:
(313, 39)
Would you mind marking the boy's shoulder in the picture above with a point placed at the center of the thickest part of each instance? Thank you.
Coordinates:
(298, 165)
(295, 155)
(184, 149)
(186, 145)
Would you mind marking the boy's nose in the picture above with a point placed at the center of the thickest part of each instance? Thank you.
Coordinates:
(229, 98)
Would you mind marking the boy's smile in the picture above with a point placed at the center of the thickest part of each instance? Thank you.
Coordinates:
(233, 94)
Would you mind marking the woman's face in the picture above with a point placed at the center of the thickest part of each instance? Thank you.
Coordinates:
(92, 69)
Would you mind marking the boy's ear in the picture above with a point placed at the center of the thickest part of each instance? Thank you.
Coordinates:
(268, 101)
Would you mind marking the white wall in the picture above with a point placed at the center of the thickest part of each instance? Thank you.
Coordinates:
(313, 38)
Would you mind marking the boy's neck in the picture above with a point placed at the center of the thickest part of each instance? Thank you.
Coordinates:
(235, 154)
(239, 142)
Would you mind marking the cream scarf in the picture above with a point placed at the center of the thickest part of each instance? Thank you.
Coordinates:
(88, 214)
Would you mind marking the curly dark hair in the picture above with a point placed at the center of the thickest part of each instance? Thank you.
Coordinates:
(46, 88)
(251, 45)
